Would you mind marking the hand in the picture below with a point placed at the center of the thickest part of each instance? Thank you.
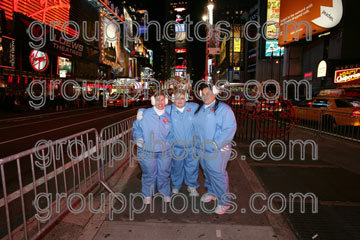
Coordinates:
(139, 115)
(140, 143)
(226, 148)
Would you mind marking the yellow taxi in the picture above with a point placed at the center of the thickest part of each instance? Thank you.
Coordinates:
(331, 107)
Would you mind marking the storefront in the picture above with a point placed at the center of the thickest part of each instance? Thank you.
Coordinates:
(349, 80)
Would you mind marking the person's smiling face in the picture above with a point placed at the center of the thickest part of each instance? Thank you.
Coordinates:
(180, 100)
(207, 96)
(160, 102)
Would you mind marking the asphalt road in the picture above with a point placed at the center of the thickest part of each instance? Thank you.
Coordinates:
(21, 133)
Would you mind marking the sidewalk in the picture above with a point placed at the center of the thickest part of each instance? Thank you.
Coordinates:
(334, 179)
(243, 224)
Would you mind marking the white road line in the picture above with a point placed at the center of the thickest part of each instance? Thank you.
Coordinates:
(56, 129)
(49, 120)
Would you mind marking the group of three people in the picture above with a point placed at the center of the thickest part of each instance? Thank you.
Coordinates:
(173, 139)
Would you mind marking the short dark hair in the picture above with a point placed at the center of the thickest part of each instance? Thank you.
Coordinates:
(201, 87)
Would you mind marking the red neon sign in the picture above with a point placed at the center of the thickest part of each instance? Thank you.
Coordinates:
(180, 50)
(98, 86)
(180, 67)
(306, 75)
(42, 10)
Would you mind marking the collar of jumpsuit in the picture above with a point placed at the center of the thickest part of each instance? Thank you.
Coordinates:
(159, 112)
(181, 109)
(207, 106)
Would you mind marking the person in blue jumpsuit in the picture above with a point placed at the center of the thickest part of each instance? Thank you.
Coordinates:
(152, 132)
(184, 167)
(215, 127)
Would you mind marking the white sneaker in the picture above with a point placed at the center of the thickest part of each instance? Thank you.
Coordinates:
(147, 200)
(220, 210)
(207, 198)
(167, 199)
(175, 191)
(192, 192)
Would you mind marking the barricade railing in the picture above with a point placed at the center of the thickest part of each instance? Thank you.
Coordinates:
(45, 171)
(72, 165)
(264, 120)
(344, 125)
(268, 120)
(116, 148)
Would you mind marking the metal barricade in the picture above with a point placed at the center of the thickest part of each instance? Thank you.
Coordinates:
(71, 165)
(345, 125)
(66, 166)
(265, 120)
(115, 141)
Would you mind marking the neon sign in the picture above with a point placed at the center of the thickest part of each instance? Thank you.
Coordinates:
(347, 75)
(42, 10)
(180, 50)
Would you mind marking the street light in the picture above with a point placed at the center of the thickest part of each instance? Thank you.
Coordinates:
(210, 7)
(204, 18)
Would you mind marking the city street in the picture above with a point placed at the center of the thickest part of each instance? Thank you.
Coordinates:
(21, 133)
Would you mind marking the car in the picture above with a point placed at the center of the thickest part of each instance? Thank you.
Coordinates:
(355, 102)
(332, 111)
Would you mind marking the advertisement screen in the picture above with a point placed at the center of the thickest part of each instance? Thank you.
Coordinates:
(179, 27)
(64, 66)
(214, 43)
(139, 46)
(142, 21)
(320, 15)
(151, 57)
(129, 30)
(237, 44)
(273, 15)
(273, 49)
(223, 51)
(180, 36)
(110, 44)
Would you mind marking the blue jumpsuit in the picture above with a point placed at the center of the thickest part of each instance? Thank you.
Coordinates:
(154, 156)
(215, 127)
(183, 166)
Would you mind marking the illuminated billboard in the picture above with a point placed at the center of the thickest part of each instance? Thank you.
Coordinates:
(180, 36)
(179, 27)
(273, 49)
(110, 41)
(315, 15)
(151, 57)
(44, 11)
(237, 44)
(223, 51)
(64, 67)
(347, 75)
(129, 30)
(273, 15)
